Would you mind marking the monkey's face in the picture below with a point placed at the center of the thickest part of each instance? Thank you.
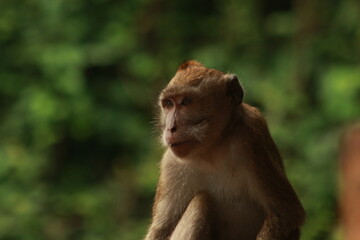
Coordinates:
(185, 123)
(195, 107)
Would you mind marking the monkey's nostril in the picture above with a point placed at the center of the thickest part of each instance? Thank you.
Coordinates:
(173, 129)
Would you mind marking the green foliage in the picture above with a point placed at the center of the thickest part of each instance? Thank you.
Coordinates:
(78, 81)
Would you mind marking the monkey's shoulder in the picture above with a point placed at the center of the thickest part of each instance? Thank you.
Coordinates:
(251, 116)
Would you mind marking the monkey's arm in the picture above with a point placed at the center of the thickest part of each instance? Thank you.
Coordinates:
(195, 223)
(164, 216)
(284, 212)
(197, 220)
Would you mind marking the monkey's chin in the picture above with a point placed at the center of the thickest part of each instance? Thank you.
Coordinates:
(182, 149)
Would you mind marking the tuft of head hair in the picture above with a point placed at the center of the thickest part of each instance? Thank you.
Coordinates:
(189, 64)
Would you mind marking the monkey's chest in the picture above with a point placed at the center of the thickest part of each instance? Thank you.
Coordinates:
(241, 219)
(239, 216)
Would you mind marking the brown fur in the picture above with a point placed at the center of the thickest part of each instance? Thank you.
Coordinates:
(189, 64)
(222, 176)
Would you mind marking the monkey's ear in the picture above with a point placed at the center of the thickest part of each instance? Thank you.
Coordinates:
(234, 89)
(188, 64)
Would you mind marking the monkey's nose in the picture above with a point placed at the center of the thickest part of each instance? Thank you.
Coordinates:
(173, 129)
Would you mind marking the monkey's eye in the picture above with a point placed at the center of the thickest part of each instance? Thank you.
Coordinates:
(167, 103)
(186, 101)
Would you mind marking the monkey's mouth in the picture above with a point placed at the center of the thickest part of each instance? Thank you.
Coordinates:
(182, 148)
(176, 144)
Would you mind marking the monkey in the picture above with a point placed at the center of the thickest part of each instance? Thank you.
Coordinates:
(222, 176)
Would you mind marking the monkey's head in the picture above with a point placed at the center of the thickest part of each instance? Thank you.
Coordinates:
(196, 108)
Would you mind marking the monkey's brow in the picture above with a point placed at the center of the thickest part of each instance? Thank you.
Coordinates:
(176, 91)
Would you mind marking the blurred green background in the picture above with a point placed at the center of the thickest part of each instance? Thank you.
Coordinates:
(78, 81)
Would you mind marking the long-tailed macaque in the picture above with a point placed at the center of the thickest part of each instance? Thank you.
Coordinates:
(222, 176)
